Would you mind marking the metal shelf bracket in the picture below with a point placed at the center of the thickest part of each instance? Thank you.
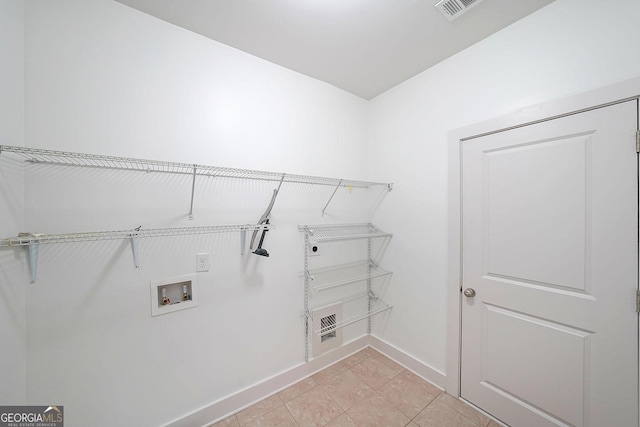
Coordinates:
(243, 240)
(331, 198)
(34, 249)
(193, 188)
(135, 250)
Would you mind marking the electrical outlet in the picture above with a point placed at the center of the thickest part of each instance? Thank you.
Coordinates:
(202, 262)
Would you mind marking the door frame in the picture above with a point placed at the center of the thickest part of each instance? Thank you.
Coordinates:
(614, 94)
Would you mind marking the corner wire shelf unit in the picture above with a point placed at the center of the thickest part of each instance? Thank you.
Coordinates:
(326, 278)
(67, 158)
(322, 279)
(33, 240)
(375, 306)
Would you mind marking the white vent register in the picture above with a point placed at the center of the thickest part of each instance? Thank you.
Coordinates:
(452, 9)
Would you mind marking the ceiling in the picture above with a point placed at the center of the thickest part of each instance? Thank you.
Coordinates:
(362, 46)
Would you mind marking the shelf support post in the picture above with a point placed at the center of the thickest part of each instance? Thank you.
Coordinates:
(331, 198)
(34, 249)
(134, 249)
(306, 297)
(193, 188)
(371, 295)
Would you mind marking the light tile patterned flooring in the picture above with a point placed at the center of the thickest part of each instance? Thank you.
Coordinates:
(365, 389)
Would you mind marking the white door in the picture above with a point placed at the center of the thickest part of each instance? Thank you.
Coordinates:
(550, 247)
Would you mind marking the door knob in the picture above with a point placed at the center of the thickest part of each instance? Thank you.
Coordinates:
(469, 292)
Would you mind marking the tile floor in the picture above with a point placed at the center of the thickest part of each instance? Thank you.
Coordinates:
(365, 389)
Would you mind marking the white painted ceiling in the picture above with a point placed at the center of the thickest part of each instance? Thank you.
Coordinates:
(362, 46)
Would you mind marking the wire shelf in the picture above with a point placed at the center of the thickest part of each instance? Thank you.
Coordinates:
(326, 278)
(375, 306)
(32, 241)
(67, 158)
(341, 232)
(25, 239)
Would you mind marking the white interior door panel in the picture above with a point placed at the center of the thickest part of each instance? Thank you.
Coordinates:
(550, 247)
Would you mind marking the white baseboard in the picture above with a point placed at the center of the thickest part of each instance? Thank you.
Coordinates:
(421, 369)
(221, 409)
(229, 405)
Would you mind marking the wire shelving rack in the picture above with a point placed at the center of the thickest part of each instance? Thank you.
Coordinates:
(68, 158)
(33, 240)
(75, 159)
(25, 239)
(330, 277)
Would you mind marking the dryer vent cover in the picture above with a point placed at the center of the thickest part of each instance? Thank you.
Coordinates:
(452, 9)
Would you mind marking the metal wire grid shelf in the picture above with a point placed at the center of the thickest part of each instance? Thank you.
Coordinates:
(374, 304)
(322, 279)
(67, 158)
(341, 232)
(24, 239)
(33, 240)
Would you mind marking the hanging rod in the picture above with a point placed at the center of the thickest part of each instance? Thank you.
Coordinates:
(33, 240)
(67, 158)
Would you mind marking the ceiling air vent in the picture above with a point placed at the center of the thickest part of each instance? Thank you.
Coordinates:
(452, 9)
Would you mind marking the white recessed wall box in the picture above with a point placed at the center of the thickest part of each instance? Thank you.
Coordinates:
(173, 294)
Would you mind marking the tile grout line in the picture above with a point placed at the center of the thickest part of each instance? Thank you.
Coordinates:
(425, 407)
(462, 413)
(289, 411)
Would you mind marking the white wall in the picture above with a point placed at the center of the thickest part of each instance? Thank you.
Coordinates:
(12, 261)
(568, 47)
(104, 78)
